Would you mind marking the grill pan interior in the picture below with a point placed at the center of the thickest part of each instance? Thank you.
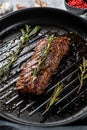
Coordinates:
(30, 110)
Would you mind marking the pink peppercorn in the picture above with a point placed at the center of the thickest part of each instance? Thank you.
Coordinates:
(77, 3)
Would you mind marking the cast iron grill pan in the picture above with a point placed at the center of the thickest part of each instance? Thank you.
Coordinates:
(30, 110)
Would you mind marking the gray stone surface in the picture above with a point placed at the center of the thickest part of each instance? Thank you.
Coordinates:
(30, 3)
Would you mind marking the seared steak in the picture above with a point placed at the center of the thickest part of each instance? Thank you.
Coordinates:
(25, 83)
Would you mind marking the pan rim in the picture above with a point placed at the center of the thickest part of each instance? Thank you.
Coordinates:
(33, 9)
(40, 8)
(81, 114)
(36, 8)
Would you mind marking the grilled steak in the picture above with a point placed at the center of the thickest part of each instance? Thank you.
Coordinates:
(25, 83)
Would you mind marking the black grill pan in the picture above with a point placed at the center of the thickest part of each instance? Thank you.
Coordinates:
(30, 111)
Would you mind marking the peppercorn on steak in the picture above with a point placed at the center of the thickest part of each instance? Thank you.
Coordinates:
(38, 70)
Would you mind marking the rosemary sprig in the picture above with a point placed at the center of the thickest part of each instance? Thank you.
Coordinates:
(55, 96)
(44, 54)
(26, 34)
(83, 75)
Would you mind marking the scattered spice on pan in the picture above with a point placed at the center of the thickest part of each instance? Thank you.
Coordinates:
(55, 96)
(77, 3)
(44, 55)
(19, 6)
(26, 34)
(40, 3)
(83, 75)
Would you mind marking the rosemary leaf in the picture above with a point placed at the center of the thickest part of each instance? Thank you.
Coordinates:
(26, 34)
(34, 71)
(44, 55)
(50, 40)
(55, 96)
(35, 30)
(27, 28)
(83, 75)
